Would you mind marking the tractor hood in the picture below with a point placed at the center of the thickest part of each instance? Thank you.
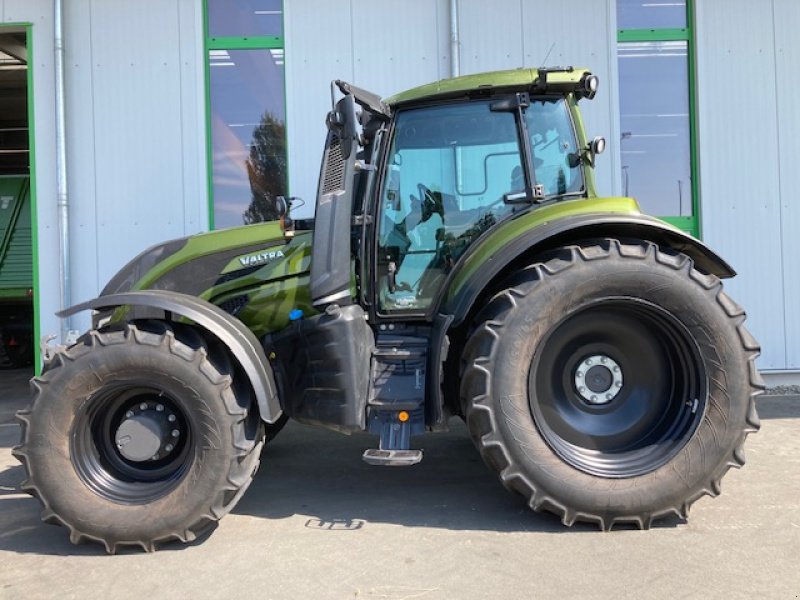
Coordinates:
(197, 264)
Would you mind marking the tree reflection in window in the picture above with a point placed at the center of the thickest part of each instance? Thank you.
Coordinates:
(266, 169)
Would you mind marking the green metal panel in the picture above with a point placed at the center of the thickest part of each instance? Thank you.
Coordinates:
(16, 248)
(513, 228)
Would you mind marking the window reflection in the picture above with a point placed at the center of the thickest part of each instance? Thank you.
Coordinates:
(237, 18)
(651, 14)
(654, 140)
(248, 134)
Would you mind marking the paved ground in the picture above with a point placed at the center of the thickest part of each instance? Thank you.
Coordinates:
(317, 523)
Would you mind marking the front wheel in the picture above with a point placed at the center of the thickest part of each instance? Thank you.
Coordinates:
(612, 383)
(137, 436)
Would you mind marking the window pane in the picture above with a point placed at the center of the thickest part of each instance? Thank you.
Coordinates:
(651, 14)
(247, 134)
(237, 18)
(654, 140)
(554, 147)
(444, 185)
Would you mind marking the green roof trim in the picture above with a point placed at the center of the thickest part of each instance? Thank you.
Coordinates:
(491, 81)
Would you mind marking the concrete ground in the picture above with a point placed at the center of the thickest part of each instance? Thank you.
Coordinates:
(318, 523)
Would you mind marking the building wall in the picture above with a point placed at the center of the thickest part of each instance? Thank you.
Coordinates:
(749, 124)
(137, 133)
(134, 77)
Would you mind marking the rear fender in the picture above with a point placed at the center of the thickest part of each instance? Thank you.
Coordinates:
(465, 289)
(244, 347)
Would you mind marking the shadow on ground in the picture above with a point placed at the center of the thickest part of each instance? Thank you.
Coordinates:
(778, 407)
(319, 476)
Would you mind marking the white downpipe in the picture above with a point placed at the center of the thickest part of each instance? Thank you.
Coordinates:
(455, 71)
(455, 62)
(62, 200)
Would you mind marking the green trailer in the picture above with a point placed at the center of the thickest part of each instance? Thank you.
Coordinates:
(16, 272)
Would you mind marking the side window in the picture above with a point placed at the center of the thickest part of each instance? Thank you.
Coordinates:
(449, 168)
(555, 150)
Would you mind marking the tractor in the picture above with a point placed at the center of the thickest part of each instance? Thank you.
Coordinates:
(460, 264)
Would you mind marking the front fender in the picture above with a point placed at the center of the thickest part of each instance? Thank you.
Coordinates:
(485, 264)
(240, 341)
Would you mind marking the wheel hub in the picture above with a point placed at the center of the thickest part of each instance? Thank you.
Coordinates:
(148, 432)
(598, 379)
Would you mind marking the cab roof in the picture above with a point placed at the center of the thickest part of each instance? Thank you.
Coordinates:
(558, 79)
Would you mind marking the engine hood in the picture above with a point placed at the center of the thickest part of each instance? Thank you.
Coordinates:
(194, 264)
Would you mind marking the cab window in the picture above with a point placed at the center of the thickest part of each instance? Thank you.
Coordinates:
(448, 171)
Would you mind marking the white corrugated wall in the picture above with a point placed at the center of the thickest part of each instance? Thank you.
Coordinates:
(136, 120)
(135, 134)
(749, 126)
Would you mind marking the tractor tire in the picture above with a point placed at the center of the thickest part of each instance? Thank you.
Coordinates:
(138, 436)
(611, 383)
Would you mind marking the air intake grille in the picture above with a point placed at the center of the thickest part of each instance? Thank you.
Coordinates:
(333, 178)
(235, 305)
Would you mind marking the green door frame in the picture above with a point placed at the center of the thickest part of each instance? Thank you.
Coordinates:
(28, 28)
(688, 224)
(264, 42)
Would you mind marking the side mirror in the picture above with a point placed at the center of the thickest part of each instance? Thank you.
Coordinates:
(283, 206)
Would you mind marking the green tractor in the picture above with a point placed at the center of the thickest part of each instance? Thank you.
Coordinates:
(460, 263)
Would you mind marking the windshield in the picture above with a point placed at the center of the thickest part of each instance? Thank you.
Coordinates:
(448, 171)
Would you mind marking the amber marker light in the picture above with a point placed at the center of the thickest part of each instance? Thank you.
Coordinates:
(402, 416)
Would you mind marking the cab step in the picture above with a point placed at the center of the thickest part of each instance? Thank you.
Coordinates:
(392, 458)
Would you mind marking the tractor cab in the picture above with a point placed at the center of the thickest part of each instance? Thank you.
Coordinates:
(426, 173)
(417, 180)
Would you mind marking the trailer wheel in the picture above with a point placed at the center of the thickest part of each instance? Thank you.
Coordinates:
(611, 383)
(136, 437)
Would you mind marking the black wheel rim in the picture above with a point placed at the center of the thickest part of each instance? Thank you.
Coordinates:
(628, 422)
(102, 427)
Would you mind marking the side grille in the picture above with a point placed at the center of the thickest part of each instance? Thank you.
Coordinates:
(333, 178)
(234, 306)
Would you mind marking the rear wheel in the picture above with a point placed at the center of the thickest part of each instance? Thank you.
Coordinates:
(612, 383)
(138, 436)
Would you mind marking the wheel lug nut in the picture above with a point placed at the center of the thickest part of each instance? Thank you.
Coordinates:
(581, 389)
(594, 398)
(616, 369)
(129, 414)
(175, 433)
(171, 418)
(579, 373)
(608, 396)
(160, 407)
(588, 361)
(143, 406)
(603, 360)
(619, 384)
(169, 447)
(155, 457)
